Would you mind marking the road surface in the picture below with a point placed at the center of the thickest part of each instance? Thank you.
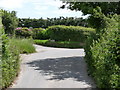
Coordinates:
(53, 68)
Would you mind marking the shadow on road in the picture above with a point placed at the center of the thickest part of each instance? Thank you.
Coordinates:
(62, 68)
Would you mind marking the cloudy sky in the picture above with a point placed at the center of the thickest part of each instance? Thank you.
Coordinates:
(38, 8)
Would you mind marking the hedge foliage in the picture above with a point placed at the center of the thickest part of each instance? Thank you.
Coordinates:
(103, 53)
(11, 48)
(39, 33)
(23, 32)
(45, 23)
(9, 21)
(10, 61)
(69, 33)
(1, 32)
(9, 55)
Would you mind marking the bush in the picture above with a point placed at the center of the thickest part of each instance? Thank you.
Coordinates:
(103, 54)
(11, 48)
(39, 33)
(69, 33)
(9, 21)
(1, 35)
(9, 59)
(59, 44)
(23, 32)
(10, 62)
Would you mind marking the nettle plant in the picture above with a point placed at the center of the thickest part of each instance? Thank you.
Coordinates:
(23, 32)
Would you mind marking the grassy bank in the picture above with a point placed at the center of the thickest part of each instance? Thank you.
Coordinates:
(59, 44)
(23, 45)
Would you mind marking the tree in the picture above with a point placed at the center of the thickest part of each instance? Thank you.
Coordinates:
(88, 7)
(107, 8)
(44, 23)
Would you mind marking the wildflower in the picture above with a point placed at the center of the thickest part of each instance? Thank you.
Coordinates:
(18, 28)
(29, 29)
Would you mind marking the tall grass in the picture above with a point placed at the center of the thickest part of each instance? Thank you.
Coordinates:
(23, 45)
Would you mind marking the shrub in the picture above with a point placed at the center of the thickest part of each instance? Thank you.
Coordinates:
(1, 35)
(10, 62)
(69, 33)
(9, 59)
(39, 33)
(11, 48)
(23, 32)
(10, 21)
(103, 54)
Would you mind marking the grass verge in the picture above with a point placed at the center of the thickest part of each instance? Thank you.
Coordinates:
(59, 44)
(23, 45)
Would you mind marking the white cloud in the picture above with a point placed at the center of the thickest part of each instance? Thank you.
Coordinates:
(42, 5)
(11, 4)
(62, 11)
(37, 8)
(46, 2)
(40, 8)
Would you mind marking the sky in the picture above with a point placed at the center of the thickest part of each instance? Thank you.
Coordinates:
(38, 8)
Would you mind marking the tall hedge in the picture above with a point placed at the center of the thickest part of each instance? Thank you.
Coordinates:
(39, 33)
(103, 53)
(9, 21)
(1, 31)
(9, 61)
(23, 32)
(69, 33)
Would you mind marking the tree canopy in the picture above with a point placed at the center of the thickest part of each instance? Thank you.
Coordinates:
(107, 8)
(44, 23)
(88, 7)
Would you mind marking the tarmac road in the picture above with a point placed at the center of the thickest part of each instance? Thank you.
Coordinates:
(54, 68)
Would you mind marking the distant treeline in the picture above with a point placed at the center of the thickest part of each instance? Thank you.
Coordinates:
(44, 23)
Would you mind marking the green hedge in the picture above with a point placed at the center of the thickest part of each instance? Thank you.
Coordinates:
(103, 54)
(69, 33)
(23, 32)
(39, 33)
(1, 32)
(10, 61)
(10, 21)
(11, 48)
(9, 52)
(59, 44)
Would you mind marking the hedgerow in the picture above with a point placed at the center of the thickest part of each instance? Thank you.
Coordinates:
(39, 33)
(23, 32)
(9, 21)
(10, 61)
(103, 54)
(69, 33)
